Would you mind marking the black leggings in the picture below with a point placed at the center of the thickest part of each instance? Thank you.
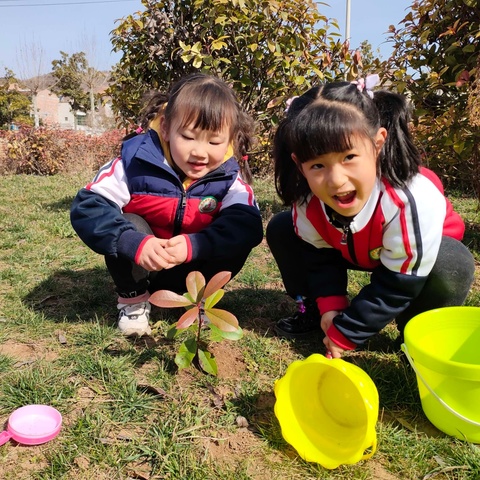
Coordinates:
(132, 280)
(448, 283)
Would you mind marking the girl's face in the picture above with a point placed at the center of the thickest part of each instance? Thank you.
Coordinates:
(194, 151)
(344, 181)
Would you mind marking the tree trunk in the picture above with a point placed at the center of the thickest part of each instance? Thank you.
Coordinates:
(92, 109)
(35, 110)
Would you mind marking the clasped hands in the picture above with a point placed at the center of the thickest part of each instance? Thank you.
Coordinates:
(159, 253)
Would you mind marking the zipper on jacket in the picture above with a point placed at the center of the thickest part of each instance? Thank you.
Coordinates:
(347, 239)
(177, 226)
(339, 221)
(345, 229)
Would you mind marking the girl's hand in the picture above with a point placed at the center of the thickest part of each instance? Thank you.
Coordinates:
(326, 323)
(327, 320)
(333, 348)
(153, 256)
(177, 248)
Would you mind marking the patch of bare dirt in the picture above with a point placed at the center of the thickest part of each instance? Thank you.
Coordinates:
(241, 447)
(229, 359)
(20, 462)
(26, 352)
(230, 362)
(378, 472)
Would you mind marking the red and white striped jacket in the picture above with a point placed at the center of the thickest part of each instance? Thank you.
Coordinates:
(396, 236)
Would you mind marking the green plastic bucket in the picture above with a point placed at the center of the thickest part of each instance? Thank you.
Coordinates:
(443, 347)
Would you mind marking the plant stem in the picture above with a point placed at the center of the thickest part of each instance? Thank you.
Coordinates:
(199, 327)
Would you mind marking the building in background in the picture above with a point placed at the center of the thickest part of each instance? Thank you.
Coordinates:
(55, 111)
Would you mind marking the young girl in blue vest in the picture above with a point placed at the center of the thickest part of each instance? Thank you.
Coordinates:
(175, 200)
(346, 164)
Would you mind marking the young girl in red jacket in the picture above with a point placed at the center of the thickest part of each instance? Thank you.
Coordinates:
(175, 201)
(346, 164)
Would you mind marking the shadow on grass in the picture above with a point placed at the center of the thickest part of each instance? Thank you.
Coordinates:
(147, 351)
(61, 205)
(258, 409)
(75, 296)
(256, 309)
(81, 295)
(472, 237)
(259, 309)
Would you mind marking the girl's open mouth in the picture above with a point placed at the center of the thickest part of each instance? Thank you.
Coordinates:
(345, 199)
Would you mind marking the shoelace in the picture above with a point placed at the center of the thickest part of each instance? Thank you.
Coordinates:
(133, 309)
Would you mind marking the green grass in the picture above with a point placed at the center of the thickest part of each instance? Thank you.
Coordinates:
(129, 413)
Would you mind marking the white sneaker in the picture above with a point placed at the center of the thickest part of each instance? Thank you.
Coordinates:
(133, 319)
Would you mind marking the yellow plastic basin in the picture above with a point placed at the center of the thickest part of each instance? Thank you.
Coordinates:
(327, 410)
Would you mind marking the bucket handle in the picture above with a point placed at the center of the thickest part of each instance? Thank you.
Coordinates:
(430, 389)
(373, 448)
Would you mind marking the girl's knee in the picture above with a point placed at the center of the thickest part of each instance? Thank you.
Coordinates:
(280, 225)
(455, 257)
(140, 223)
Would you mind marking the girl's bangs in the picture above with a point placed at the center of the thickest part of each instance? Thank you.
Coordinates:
(325, 128)
(206, 110)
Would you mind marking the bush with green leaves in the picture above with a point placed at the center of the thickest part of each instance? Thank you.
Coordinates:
(14, 104)
(436, 61)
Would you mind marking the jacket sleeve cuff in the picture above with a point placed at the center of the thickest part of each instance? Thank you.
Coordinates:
(140, 247)
(337, 337)
(130, 242)
(334, 302)
(189, 249)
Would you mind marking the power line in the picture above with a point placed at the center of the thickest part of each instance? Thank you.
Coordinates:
(61, 3)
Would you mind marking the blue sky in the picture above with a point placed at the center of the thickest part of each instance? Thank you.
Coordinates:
(369, 20)
(60, 25)
(85, 25)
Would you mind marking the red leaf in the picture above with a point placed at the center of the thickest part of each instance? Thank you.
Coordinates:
(357, 58)
(216, 282)
(168, 299)
(187, 318)
(327, 60)
(195, 285)
(275, 102)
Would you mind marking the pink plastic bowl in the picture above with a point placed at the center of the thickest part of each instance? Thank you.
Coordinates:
(32, 425)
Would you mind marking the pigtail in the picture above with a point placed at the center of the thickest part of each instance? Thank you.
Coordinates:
(399, 159)
(154, 102)
(245, 170)
(289, 182)
(284, 166)
(243, 143)
(132, 134)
